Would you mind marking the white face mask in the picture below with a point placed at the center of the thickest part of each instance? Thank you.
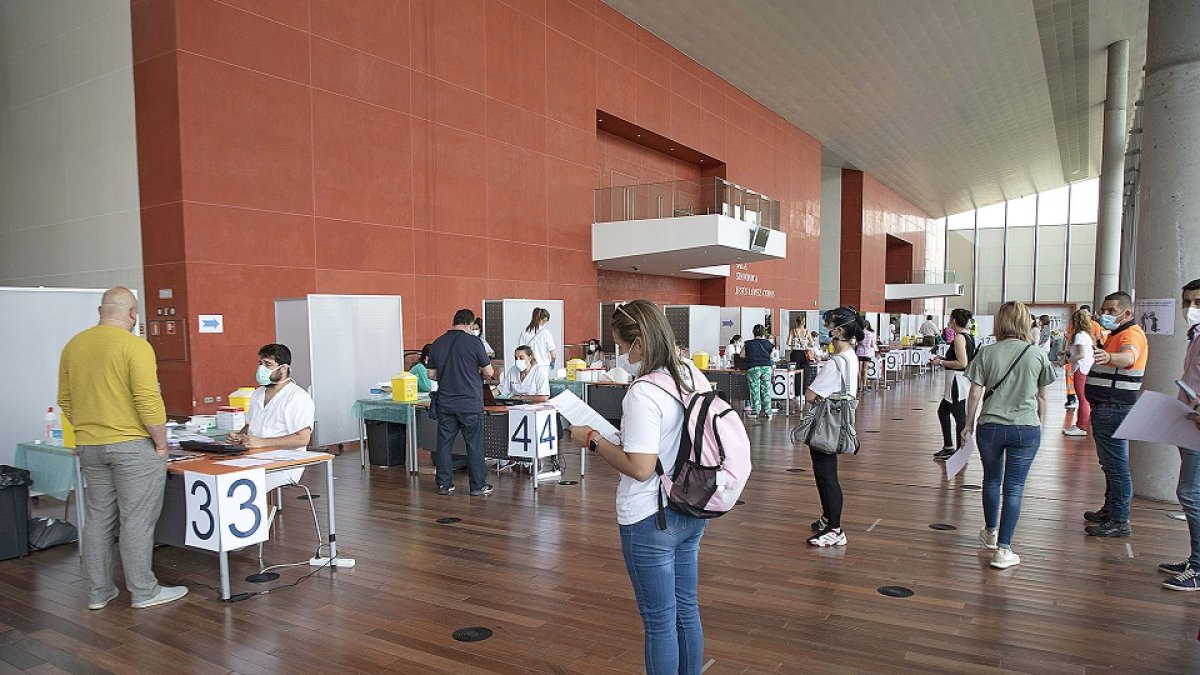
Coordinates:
(263, 374)
(1193, 315)
(522, 364)
(634, 369)
(475, 332)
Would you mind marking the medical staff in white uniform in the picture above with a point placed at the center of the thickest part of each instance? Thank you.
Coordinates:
(527, 379)
(539, 338)
(281, 414)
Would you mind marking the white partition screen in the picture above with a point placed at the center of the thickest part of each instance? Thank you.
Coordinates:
(353, 341)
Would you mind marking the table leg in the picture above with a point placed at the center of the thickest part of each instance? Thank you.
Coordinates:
(224, 556)
(329, 508)
(362, 442)
(582, 459)
(536, 468)
(410, 430)
(79, 506)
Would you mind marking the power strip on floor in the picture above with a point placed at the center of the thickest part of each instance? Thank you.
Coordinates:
(337, 562)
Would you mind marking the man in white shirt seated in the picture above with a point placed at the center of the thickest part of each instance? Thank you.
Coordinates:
(928, 331)
(281, 414)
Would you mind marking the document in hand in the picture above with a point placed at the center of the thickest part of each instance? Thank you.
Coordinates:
(958, 461)
(1158, 418)
(580, 414)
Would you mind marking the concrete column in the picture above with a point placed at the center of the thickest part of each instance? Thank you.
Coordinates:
(1168, 242)
(1112, 171)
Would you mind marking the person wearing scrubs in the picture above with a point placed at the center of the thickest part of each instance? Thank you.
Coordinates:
(477, 331)
(594, 353)
(527, 379)
(539, 338)
(421, 370)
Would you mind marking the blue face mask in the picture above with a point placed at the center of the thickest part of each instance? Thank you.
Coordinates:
(1108, 321)
(263, 374)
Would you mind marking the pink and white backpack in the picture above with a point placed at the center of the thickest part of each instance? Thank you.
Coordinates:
(713, 463)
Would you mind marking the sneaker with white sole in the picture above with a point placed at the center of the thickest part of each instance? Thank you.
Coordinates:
(829, 537)
(820, 525)
(988, 537)
(1189, 580)
(1074, 431)
(1173, 568)
(165, 594)
(1005, 558)
(104, 603)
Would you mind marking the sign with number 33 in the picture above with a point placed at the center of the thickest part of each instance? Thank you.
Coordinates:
(226, 511)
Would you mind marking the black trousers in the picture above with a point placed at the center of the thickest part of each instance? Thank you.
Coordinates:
(825, 470)
(958, 410)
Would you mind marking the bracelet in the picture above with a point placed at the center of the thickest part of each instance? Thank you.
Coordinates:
(591, 444)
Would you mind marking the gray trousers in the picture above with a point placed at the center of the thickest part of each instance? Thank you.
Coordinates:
(125, 483)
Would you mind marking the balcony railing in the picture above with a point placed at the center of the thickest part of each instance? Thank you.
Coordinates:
(673, 199)
(934, 277)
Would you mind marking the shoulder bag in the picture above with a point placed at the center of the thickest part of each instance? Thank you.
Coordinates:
(828, 425)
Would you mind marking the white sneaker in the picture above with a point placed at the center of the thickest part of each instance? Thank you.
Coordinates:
(988, 537)
(1074, 431)
(115, 591)
(1072, 405)
(165, 594)
(828, 538)
(1005, 558)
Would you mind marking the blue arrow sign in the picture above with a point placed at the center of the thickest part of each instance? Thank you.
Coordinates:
(727, 323)
(210, 323)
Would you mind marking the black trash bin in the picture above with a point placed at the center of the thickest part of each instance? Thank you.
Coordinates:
(14, 511)
(386, 443)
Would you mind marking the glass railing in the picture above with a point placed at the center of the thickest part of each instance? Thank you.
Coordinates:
(934, 277)
(673, 199)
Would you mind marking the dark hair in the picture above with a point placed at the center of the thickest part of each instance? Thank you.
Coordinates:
(424, 357)
(643, 319)
(929, 317)
(735, 338)
(1088, 308)
(1123, 300)
(464, 317)
(759, 330)
(1193, 285)
(540, 315)
(846, 318)
(961, 316)
(278, 353)
(1044, 318)
(478, 322)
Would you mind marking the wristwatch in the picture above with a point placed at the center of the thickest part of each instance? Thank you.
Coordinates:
(592, 443)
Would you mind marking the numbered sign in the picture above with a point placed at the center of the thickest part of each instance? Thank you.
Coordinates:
(226, 511)
(893, 360)
(783, 384)
(875, 368)
(532, 431)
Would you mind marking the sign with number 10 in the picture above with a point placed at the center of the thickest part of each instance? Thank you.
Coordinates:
(226, 511)
(532, 431)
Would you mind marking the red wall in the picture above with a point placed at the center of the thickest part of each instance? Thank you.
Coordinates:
(445, 151)
(871, 212)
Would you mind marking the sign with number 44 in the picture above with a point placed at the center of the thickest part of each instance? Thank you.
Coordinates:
(532, 431)
(226, 511)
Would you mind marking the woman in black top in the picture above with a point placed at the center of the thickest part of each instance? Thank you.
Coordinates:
(954, 400)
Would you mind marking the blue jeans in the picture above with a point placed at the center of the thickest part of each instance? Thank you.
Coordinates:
(663, 567)
(1006, 451)
(450, 423)
(1114, 459)
(1188, 493)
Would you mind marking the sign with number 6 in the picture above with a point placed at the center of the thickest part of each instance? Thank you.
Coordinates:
(226, 511)
(783, 384)
(532, 431)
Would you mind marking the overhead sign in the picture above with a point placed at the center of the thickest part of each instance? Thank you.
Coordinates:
(212, 323)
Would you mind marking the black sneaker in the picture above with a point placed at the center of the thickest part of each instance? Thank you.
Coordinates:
(1100, 516)
(1188, 580)
(1174, 568)
(944, 454)
(485, 490)
(1109, 528)
(819, 524)
(445, 489)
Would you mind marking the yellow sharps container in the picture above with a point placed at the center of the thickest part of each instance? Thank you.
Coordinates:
(404, 388)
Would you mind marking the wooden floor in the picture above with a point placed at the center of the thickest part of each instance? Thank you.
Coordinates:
(545, 573)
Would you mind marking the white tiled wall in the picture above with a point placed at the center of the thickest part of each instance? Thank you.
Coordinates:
(69, 210)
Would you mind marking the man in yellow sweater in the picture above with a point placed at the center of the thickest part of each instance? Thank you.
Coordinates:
(108, 389)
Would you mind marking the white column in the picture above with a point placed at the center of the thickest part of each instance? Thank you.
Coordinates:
(1168, 242)
(1112, 171)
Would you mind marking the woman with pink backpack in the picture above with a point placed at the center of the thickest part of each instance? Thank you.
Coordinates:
(664, 499)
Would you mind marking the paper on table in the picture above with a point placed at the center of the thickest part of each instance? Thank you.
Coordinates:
(1158, 418)
(958, 461)
(579, 413)
(245, 462)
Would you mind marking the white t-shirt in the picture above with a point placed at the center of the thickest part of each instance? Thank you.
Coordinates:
(289, 411)
(541, 342)
(651, 423)
(829, 378)
(536, 383)
(1084, 339)
(928, 329)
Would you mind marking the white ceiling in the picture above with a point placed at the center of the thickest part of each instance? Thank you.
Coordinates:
(954, 104)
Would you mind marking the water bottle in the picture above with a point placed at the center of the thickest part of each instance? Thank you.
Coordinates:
(51, 420)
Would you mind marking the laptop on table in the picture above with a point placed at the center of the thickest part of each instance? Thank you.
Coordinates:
(490, 399)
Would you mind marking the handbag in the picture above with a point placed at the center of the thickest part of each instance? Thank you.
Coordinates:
(828, 425)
